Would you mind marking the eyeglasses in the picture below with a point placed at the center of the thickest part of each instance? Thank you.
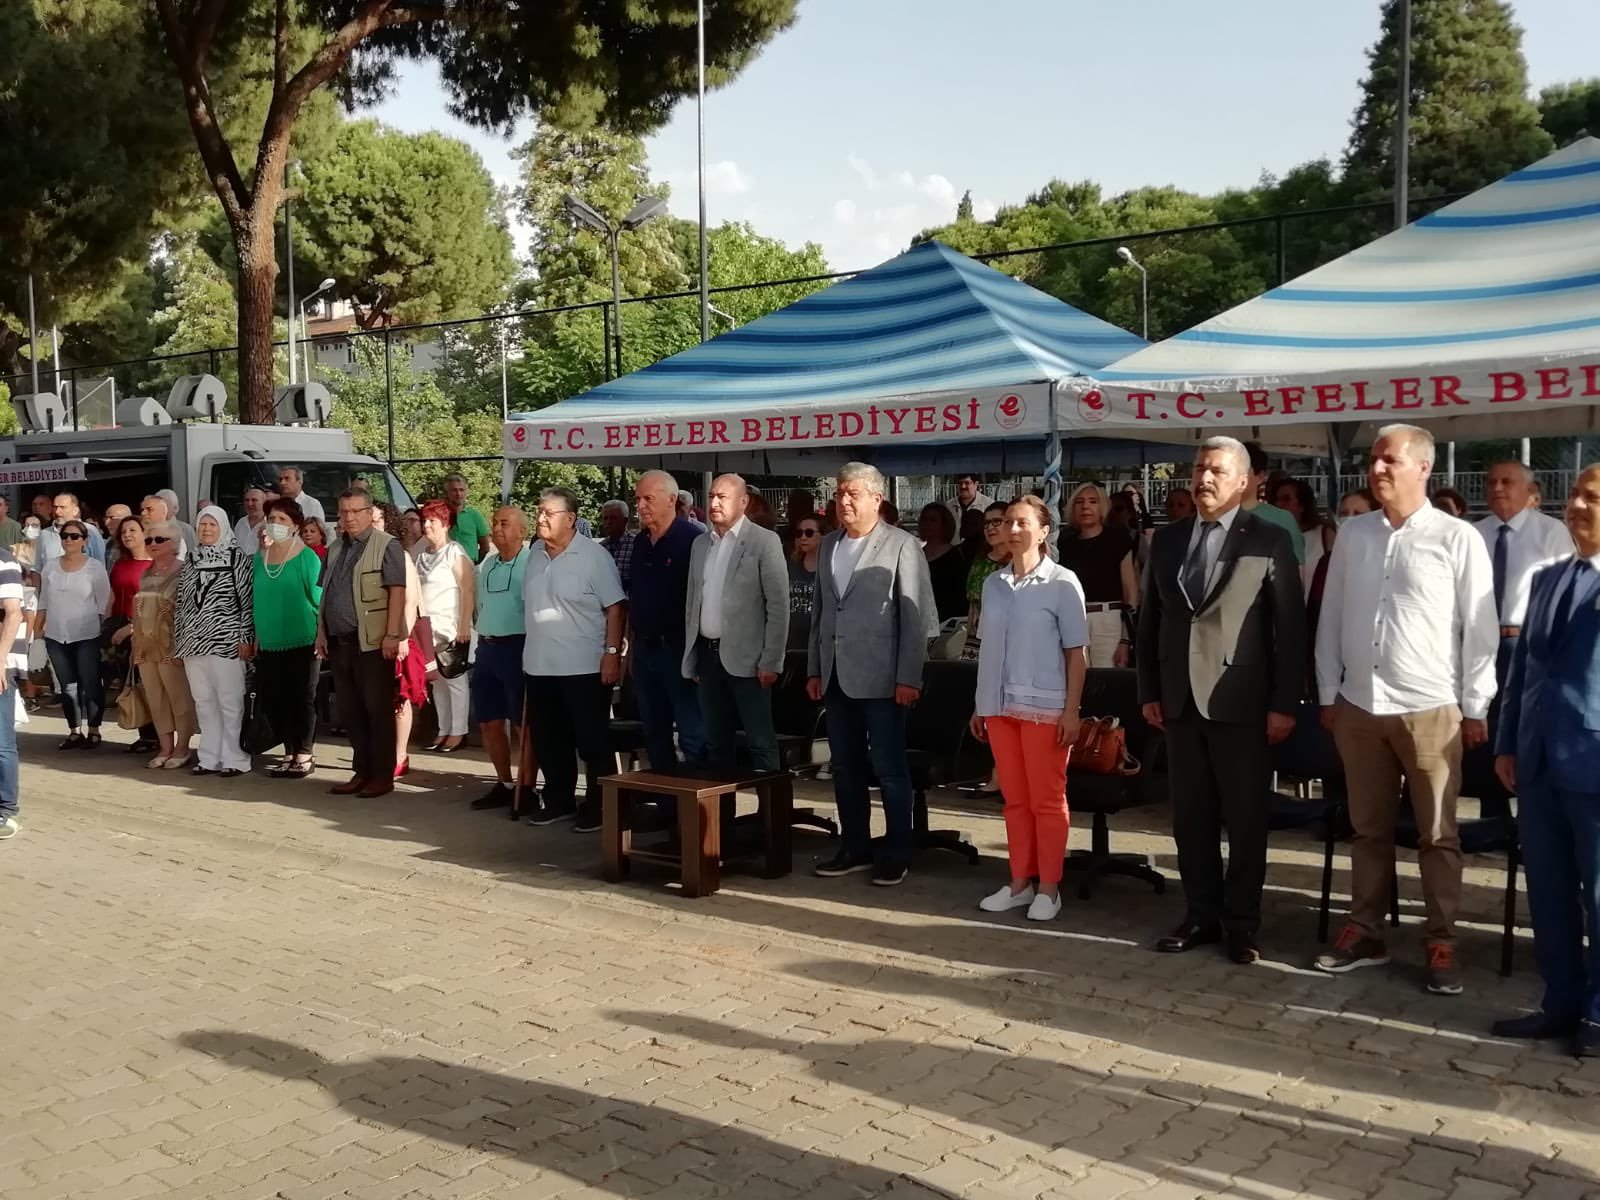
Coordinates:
(72, 537)
(156, 541)
(552, 513)
(993, 522)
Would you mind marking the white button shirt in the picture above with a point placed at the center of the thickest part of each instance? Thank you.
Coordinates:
(1534, 540)
(1408, 620)
(714, 574)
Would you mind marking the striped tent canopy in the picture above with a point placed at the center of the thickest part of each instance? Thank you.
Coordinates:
(1481, 320)
(930, 357)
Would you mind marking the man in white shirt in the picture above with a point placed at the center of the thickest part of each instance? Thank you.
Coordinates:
(736, 626)
(1521, 539)
(1405, 673)
(292, 486)
(969, 495)
(247, 531)
(66, 508)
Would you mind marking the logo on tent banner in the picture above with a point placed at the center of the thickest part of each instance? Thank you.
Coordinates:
(1092, 407)
(1010, 411)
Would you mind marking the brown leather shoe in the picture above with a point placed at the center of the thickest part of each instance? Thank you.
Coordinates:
(347, 789)
(373, 790)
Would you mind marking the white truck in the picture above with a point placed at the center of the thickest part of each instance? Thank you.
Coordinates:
(198, 459)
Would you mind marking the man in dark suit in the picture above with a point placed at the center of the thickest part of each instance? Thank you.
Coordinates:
(1222, 656)
(1547, 751)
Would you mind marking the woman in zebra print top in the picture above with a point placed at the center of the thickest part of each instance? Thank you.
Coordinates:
(215, 636)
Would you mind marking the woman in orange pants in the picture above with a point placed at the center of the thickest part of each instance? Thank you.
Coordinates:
(1031, 667)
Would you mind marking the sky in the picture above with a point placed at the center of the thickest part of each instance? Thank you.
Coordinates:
(865, 122)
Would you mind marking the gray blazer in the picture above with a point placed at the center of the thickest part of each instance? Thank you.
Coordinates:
(875, 636)
(755, 604)
(1236, 652)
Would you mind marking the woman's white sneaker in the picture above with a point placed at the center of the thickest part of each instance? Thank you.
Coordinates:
(1005, 901)
(1044, 908)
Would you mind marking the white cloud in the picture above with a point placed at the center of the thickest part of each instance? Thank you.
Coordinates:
(985, 210)
(844, 211)
(905, 179)
(727, 178)
(939, 189)
(864, 170)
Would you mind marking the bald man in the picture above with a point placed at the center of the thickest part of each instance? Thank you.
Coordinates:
(502, 634)
(736, 626)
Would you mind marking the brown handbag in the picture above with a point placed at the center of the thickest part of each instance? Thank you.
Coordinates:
(1102, 748)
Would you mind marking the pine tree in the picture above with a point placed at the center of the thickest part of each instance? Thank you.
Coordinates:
(964, 209)
(1471, 119)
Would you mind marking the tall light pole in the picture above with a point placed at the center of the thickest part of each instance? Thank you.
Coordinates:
(1126, 256)
(700, 112)
(1402, 124)
(642, 213)
(305, 342)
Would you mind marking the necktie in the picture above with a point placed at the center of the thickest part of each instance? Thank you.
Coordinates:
(1195, 571)
(1501, 545)
(1563, 613)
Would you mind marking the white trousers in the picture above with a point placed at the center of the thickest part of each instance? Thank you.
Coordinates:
(450, 701)
(1105, 631)
(217, 685)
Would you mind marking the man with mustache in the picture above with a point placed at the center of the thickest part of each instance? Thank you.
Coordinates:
(1221, 663)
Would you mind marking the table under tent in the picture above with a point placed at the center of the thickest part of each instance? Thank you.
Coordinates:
(928, 363)
(1481, 320)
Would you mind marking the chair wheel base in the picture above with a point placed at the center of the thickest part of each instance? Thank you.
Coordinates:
(1092, 865)
(940, 839)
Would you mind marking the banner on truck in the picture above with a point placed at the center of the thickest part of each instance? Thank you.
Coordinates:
(32, 474)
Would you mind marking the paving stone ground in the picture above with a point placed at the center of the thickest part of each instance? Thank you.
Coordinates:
(254, 989)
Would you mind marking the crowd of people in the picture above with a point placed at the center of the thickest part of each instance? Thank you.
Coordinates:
(1403, 623)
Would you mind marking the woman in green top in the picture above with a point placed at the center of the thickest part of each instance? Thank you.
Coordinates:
(287, 592)
(996, 554)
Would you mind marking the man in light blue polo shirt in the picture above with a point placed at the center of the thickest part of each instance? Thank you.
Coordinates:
(502, 634)
(572, 604)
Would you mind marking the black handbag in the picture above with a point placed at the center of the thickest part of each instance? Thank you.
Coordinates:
(256, 734)
(452, 659)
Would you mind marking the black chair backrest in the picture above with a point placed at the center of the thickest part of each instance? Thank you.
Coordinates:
(939, 722)
(794, 714)
(1308, 752)
(623, 705)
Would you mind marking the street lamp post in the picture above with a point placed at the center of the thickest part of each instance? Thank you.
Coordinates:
(645, 211)
(305, 327)
(1126, 256)
(288, 261)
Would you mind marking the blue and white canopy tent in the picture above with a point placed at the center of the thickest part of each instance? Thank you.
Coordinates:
(930, 362)
(1481, 319)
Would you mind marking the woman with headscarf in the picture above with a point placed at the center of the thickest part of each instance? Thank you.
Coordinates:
(214, 630)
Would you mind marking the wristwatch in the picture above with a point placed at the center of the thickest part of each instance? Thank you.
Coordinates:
(612, 650)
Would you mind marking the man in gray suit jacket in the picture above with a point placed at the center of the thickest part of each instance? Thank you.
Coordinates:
(873, 614)
(1222, 667)
(736, 625)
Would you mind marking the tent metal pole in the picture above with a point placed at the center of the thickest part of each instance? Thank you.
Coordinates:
(1450, 463)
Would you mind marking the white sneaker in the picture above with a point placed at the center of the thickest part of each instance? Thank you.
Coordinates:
(8, 827)
(1004, 901)
(1044, 908)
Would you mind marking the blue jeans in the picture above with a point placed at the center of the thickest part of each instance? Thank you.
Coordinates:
(9, 789)
(729, 701)
(665, 699)
(867, 738)
(1560, 832)
(77, 666)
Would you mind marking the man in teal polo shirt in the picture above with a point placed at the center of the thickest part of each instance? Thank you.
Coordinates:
(468, 529)
(502, 633)
(1271, 512)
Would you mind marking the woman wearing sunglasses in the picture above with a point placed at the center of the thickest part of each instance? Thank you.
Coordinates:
(161, 676)
(74, 596)
(803, 578)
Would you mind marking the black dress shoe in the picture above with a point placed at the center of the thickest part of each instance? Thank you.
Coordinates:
(499, 796)
(1187, 936)
(1535, 1025)
(1586, 1041)
(1242, 949)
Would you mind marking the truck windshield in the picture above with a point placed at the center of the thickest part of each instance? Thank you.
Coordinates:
(323, 479)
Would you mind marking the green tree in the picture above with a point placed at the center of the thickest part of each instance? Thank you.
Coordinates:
(1471, 119)
(964, 211)
(1569, 111)
(614, 62)
(410, 226)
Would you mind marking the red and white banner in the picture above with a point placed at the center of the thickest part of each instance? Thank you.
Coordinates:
(52, 470)
(946, 417)
(1517, 392)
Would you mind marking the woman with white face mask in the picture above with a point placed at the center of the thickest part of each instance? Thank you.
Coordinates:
(287, 591)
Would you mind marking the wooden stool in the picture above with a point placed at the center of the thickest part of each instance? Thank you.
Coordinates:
(700, 797)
